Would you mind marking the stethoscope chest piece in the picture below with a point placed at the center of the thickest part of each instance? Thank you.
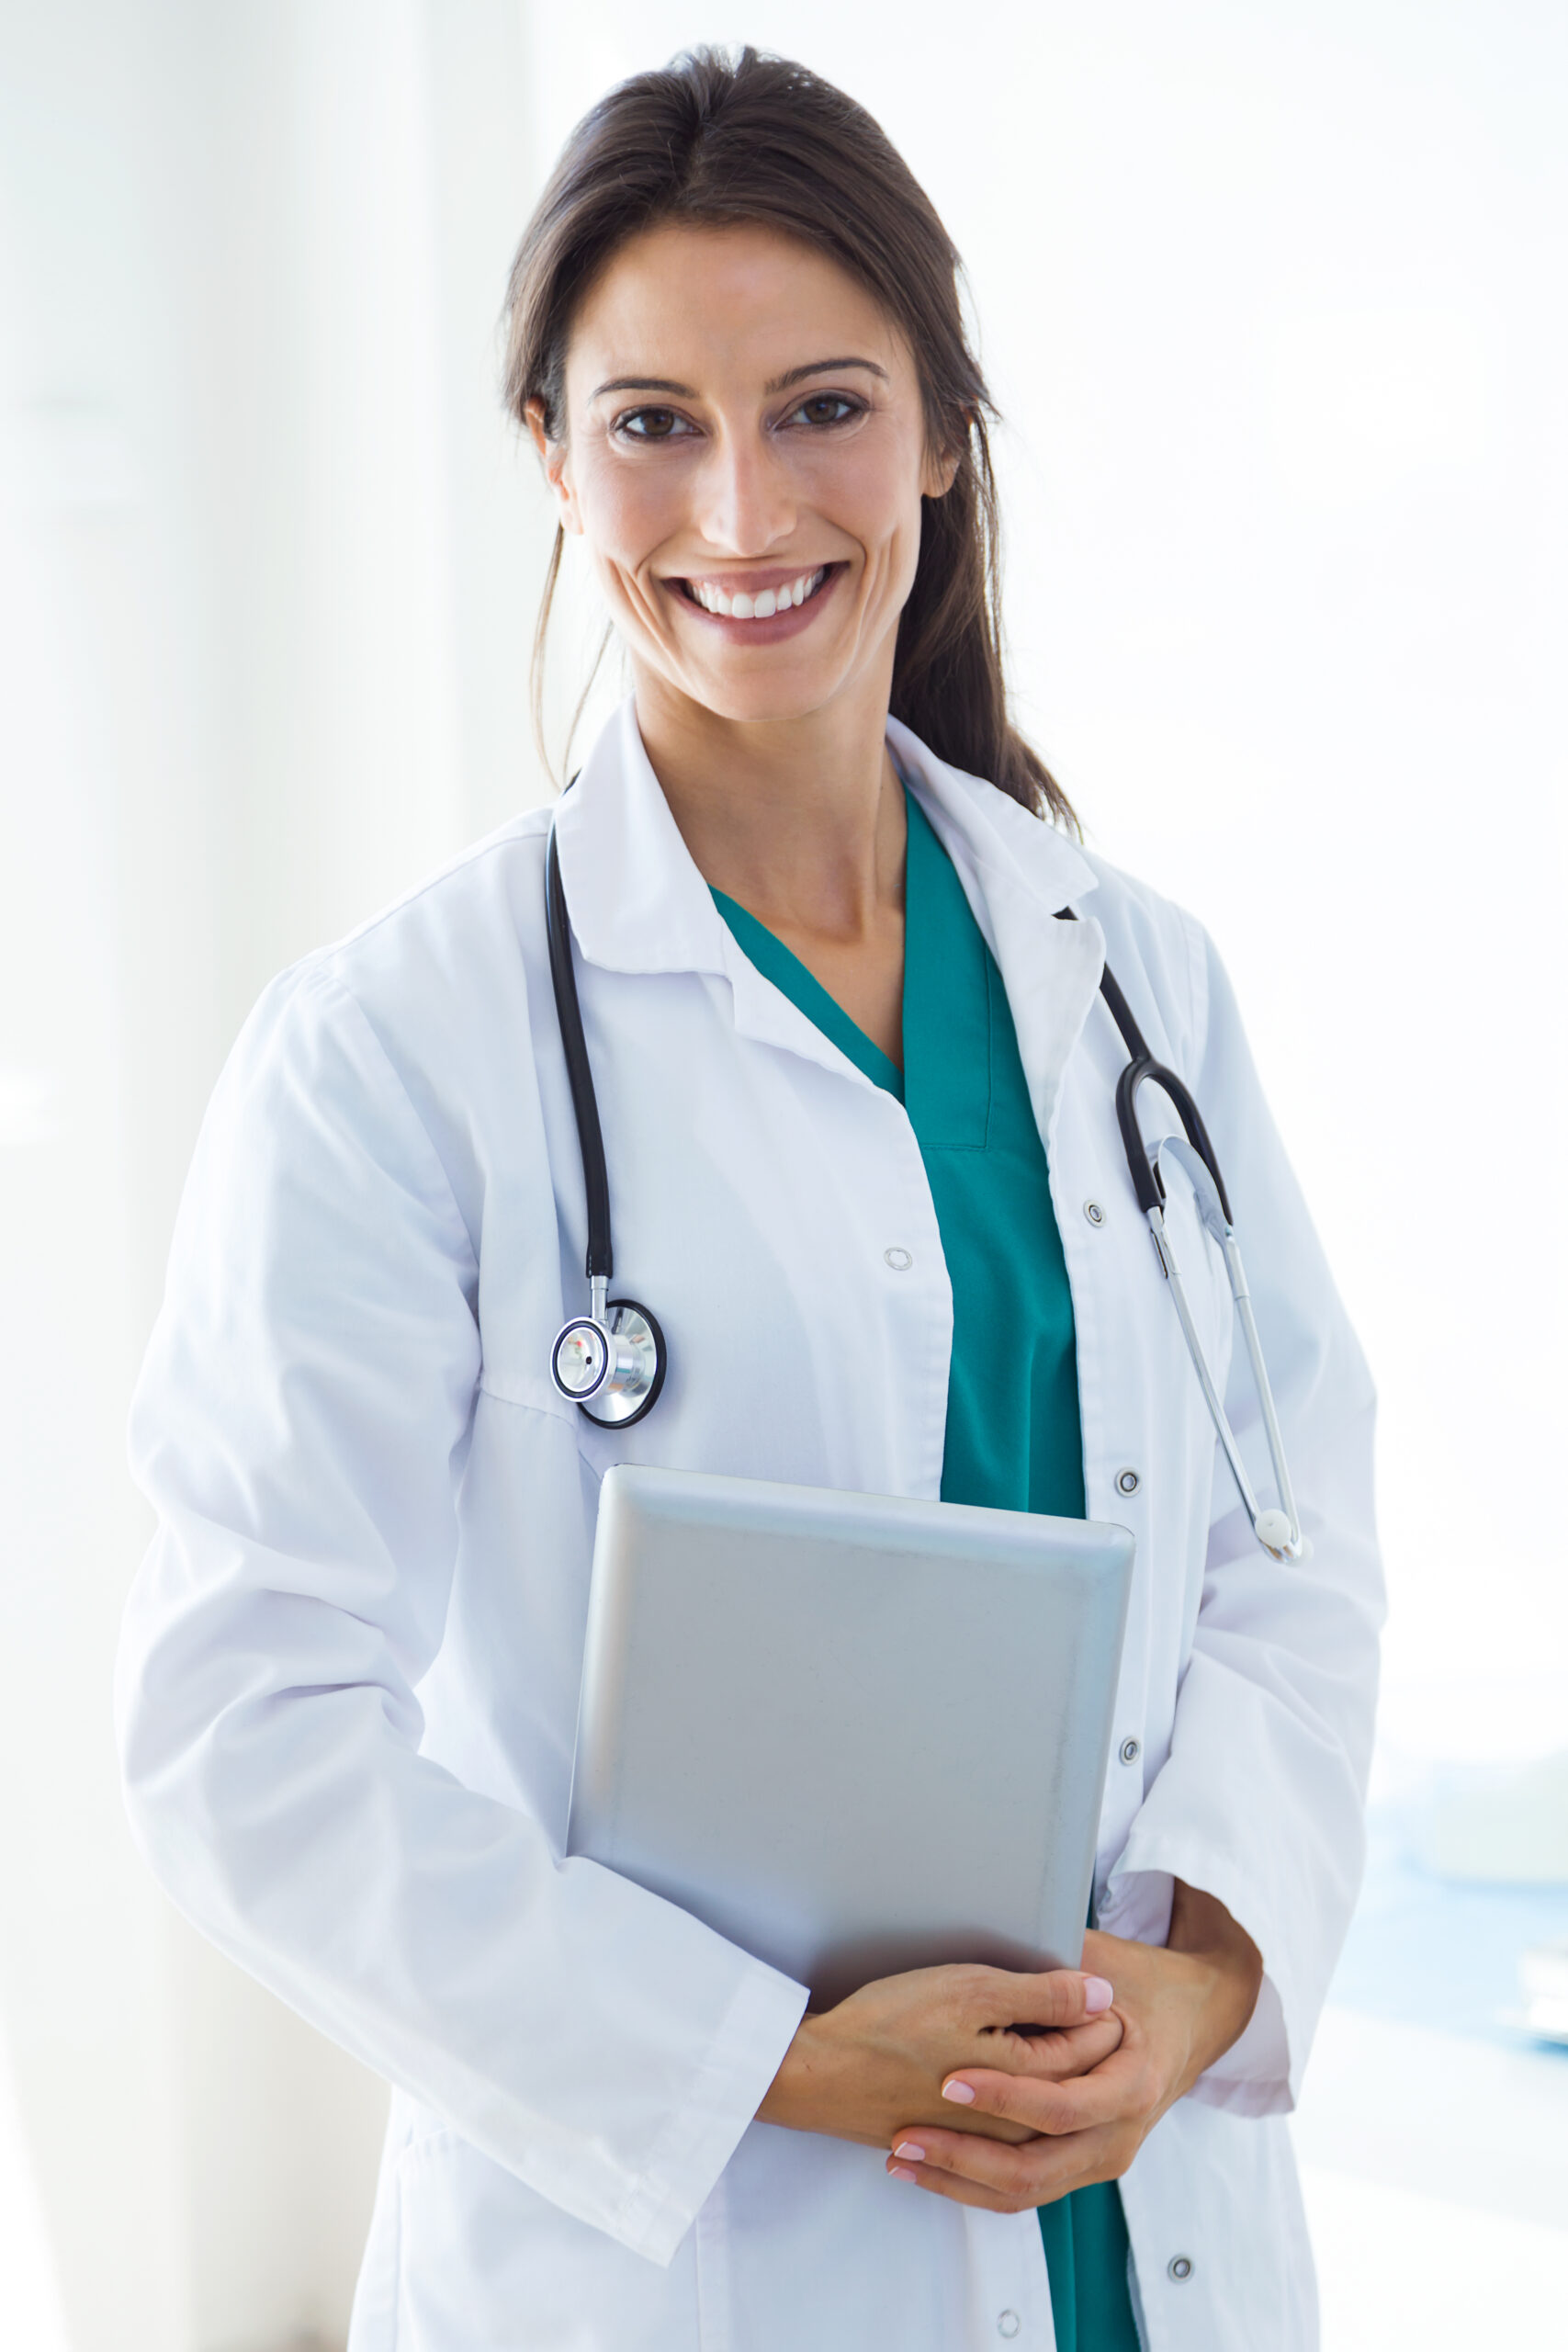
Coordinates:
(609, 1364)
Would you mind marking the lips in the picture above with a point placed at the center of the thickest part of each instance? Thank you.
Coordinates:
(761, 599)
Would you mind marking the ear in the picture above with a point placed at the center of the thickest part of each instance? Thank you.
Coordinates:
(939, 472)
(553, 458)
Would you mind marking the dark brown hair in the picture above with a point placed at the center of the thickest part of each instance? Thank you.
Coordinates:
(717, 140)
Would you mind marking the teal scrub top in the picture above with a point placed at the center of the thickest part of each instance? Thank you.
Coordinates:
(1013, 1444)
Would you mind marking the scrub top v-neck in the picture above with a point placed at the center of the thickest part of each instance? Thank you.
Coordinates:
(1013, 1437)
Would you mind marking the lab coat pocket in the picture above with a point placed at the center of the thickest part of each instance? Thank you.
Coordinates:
(487, 2265)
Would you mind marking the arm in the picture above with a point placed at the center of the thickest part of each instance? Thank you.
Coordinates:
(302, 1427)
(1259, 1802)
(1224, 1913)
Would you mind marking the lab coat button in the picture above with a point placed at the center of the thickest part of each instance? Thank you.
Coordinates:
(1127, 1482)
(1094, 1213)
(1008, 2323)
(899, 1259)
(1178, 2268)
(1130, 1750)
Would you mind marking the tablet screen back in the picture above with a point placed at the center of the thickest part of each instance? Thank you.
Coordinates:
(854, 1733)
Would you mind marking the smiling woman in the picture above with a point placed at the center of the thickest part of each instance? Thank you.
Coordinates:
(862, 1129)
(828, 219)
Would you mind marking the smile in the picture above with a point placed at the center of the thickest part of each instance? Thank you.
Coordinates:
(759, 604)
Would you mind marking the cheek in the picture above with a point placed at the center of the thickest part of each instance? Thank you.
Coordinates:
(874, 495)
(627, 510)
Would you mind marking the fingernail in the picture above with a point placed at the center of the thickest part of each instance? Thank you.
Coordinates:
(1097, 1995)
(901, 2172)
(960, 2091)
(912, 2149)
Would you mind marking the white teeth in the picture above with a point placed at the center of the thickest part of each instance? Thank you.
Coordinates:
(742, 607)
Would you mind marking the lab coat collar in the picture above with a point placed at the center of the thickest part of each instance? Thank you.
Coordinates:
(639, 903)
(1003, 843)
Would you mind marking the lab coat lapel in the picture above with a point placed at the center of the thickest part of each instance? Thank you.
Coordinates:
(1017, 872)
(639, 903)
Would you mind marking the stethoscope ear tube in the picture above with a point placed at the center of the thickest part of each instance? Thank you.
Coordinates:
(611, 1362)
(1144, 1169)
(578, 1071)
(1279, 1532)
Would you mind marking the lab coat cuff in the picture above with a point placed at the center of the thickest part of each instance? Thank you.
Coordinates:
(731, 2083)
(1257, 2075)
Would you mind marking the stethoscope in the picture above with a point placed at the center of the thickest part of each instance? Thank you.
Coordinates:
(611, 1362)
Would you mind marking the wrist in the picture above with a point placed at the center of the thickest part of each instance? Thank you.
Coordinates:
(1203, 1931)
(795, 2090)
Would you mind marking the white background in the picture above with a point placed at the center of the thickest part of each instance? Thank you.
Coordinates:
(1271, 300)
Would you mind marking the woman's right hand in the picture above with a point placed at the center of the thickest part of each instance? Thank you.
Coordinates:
(878, 2062)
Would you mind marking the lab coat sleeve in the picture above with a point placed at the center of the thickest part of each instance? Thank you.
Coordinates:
(300, 1428)
(1260, 1800)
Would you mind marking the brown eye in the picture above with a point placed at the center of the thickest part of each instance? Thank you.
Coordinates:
(827, 408)
(653, 424)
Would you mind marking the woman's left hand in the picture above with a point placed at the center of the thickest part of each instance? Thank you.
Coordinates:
(1181, 2008)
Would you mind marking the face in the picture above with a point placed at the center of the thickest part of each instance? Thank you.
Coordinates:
(745, 455)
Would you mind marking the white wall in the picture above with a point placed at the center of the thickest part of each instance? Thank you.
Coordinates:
(265, 585)
(1271, 298)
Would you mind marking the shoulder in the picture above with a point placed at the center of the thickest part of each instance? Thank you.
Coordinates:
(454, 943)
(480, 905)
(411, 1034)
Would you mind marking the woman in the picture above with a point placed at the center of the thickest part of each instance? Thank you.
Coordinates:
(858, 1092)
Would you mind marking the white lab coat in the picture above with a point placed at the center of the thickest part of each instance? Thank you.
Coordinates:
(351, 1662)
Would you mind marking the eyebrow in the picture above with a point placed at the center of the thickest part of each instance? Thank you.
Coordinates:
(780, 383)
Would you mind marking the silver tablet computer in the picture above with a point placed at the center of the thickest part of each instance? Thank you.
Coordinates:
(854, 1733)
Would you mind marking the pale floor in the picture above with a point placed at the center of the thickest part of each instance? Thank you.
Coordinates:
(1436, 2176)
(30, 2317)
(1399, 2269)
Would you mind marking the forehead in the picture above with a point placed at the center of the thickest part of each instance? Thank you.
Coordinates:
(684, 302)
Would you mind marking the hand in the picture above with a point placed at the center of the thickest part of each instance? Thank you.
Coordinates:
(879, 2059)
(1180, 2007)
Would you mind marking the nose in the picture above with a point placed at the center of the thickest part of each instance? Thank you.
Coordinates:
(748, 501)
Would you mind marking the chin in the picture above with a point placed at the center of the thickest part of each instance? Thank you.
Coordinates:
(762, 702)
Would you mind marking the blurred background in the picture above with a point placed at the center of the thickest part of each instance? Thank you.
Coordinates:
(1272, 300)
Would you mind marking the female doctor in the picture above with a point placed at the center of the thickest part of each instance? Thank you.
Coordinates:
(857, 1086)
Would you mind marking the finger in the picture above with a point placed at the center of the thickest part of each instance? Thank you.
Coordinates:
(958, 2193)
(1117, 2091)
(1056, 1996)
(1070, 2049)
(1002, 2179)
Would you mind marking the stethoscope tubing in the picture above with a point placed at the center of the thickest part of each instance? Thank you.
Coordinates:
(601, 1263)
(626, 1347)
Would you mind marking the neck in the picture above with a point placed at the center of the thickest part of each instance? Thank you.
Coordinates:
(800, 819)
